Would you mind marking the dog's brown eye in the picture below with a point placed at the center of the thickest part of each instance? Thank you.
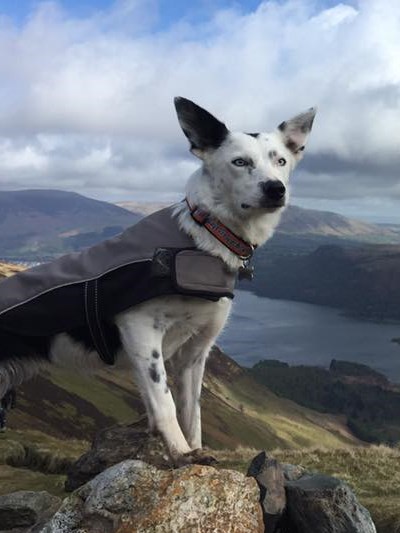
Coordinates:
(239, 162)
(281, 161)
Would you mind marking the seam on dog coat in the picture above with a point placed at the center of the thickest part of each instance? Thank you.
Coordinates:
(87, 289)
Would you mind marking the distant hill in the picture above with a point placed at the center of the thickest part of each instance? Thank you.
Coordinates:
(312, 222)
(40, 224)
(362, 280)
(307, 223)
(45, 223)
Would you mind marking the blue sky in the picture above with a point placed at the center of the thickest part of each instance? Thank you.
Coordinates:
(169, 11)
(86, 93)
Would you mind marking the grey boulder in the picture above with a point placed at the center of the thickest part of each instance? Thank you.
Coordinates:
(26, 511)
(325, 505)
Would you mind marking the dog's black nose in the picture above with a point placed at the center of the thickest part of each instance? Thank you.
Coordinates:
(273, 189)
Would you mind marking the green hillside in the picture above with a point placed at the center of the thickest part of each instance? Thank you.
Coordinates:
(370, 403)
(237, 411)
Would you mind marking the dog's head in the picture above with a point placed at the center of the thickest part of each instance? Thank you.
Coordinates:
(248, 172)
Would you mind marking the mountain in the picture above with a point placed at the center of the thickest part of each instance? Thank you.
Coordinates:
(311, 222)
(44, 223)
(40, 224)
(307, 223)
(362, 280)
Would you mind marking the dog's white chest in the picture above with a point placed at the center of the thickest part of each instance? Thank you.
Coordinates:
(177, 319)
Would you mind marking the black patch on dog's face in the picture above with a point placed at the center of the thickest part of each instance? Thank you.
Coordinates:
(291, 145)
(155, 376)
(255, 135)
(155, 354)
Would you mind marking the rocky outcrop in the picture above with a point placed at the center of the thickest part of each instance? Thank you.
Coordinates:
(290, 499)
(26, 511)
(133, 497)
(309, 502)
(125, 484)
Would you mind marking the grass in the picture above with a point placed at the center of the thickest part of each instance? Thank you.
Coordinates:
(31, 460)
(109, 401)
(15, 479)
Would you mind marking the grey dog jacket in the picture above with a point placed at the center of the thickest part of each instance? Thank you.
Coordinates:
(82, 292)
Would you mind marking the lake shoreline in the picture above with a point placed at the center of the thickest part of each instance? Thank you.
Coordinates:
(343, 312)
(302, 333)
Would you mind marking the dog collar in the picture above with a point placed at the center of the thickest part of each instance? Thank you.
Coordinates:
(244, 250)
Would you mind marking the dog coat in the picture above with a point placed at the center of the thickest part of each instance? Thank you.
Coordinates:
(82, 292)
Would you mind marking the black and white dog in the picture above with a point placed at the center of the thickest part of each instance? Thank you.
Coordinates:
(233, 204)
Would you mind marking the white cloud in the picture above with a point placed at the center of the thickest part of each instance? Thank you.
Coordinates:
(87, 103)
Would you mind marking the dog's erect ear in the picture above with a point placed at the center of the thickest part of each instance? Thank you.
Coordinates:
(200, 127)
(295, 131)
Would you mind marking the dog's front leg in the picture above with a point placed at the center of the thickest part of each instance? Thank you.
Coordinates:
(143, 345)
(190, 362)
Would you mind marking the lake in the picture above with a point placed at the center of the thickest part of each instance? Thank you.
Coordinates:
(300, 333)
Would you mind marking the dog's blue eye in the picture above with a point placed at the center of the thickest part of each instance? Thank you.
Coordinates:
(239, 162)
(281, 161)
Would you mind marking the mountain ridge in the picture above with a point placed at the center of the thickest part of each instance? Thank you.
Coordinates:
(303, 221)
(39, 224)
(45, 223)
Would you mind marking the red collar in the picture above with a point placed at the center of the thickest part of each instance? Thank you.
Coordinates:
(244, 250)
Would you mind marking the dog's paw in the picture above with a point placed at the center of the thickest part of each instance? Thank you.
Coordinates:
(195, 457)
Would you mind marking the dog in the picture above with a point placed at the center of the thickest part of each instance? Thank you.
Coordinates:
(234, 202)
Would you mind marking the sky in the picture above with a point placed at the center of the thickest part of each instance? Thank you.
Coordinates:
(87, 87)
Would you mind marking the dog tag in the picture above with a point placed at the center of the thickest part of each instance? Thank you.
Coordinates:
(246, 272)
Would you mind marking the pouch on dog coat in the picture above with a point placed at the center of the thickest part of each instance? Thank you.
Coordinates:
(87, 289)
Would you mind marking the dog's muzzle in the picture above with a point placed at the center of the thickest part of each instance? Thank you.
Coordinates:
(274, 192)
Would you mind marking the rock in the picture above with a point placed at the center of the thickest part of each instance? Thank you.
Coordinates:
(113, 445)
(293, 472)
(26, 510)
(269, 476)
(324, 504)
(133, 497)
